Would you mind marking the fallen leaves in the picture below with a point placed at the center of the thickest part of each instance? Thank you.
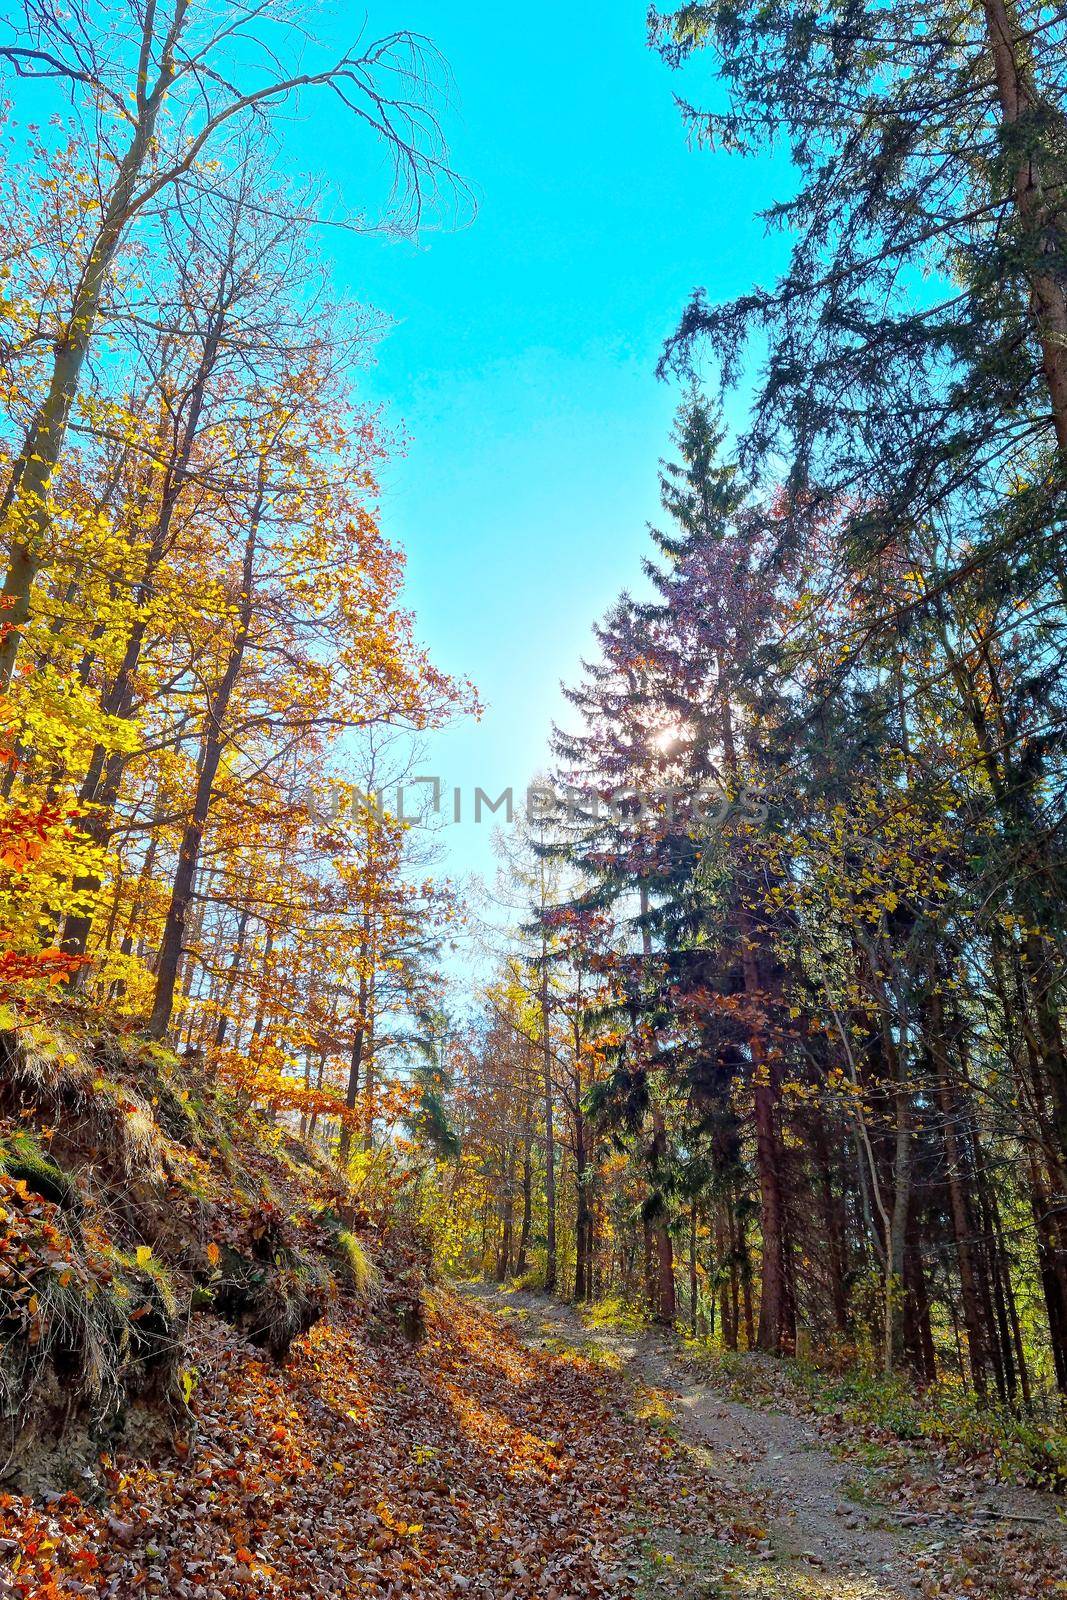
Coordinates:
(469, 1465)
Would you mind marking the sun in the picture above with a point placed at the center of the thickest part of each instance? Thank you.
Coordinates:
(667, 738)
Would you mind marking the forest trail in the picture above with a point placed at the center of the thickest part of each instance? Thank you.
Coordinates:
(468, 1466)
(510, 1454)
(840, 1521)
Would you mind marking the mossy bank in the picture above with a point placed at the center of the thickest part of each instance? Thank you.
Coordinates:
(135, 1195)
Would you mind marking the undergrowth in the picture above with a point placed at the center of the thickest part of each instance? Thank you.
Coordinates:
(135, 1193)
(615, 1313)
(1017, 1445)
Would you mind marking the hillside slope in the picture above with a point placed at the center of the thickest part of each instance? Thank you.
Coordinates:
(137, 1197)
(466, 1465)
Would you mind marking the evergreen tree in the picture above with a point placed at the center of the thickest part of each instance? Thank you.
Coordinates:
(916, 361)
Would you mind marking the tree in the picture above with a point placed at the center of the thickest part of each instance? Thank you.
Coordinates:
(156, 96)
(916, 341)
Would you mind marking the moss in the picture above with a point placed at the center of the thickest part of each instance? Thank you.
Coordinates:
(22, 1157)
(272, 1301)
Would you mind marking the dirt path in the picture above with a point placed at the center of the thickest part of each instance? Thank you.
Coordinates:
(469, 1466)
(512, 1454)
(827, 1532)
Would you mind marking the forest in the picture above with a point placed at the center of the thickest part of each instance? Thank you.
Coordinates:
(369, 1229)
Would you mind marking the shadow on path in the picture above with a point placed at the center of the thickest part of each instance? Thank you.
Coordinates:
(827, 1534)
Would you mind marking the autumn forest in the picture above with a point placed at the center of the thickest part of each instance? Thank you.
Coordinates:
(677, 1203)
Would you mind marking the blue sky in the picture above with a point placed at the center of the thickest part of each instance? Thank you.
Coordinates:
(521, 362)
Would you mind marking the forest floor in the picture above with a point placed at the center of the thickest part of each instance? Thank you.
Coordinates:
(840, 1513)
(512, 1454)
(469, 1464)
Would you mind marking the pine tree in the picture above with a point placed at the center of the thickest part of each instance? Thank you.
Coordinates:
(916, 345)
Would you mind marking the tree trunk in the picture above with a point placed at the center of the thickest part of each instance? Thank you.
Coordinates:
(962, 1222)
(661, 1300)
(1037, 201)
(369, 1072)
(583, 1281)
(774, 1330)
(527, 1186)
(212, 746)
(355, 1061)
(835, 1232)
(507, 1211)
(898, 1228)
(102, 783)
(230, 985)
(550, 1135)
(664, 1305)
(1052, 1266)
(693, 1297)
(25, 506)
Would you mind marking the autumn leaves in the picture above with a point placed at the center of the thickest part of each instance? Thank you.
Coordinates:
(202, 610)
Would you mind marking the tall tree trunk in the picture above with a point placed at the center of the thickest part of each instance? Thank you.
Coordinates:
(726, 1268)
(1040, 964)
(102, 783)
(355, 1062)
(918, 1337)
(527, 1182)
(835, 1232)
(693, 1296)
(896, 1288)
(664, 1304)
(355, 1059)
(1052, 1265)
(144, 881)
(1038, 196)
(507, 1210)
(892, 1002)
(662, 1298)
(223, 1022)
(25, 508)
(777, 1324)
(212, 746)
(962, 1221)
(774, 1332)
(583, 1284)
(370, 1076)
(550, 1132)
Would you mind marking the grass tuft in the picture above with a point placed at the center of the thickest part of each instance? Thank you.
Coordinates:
(358, 1269)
